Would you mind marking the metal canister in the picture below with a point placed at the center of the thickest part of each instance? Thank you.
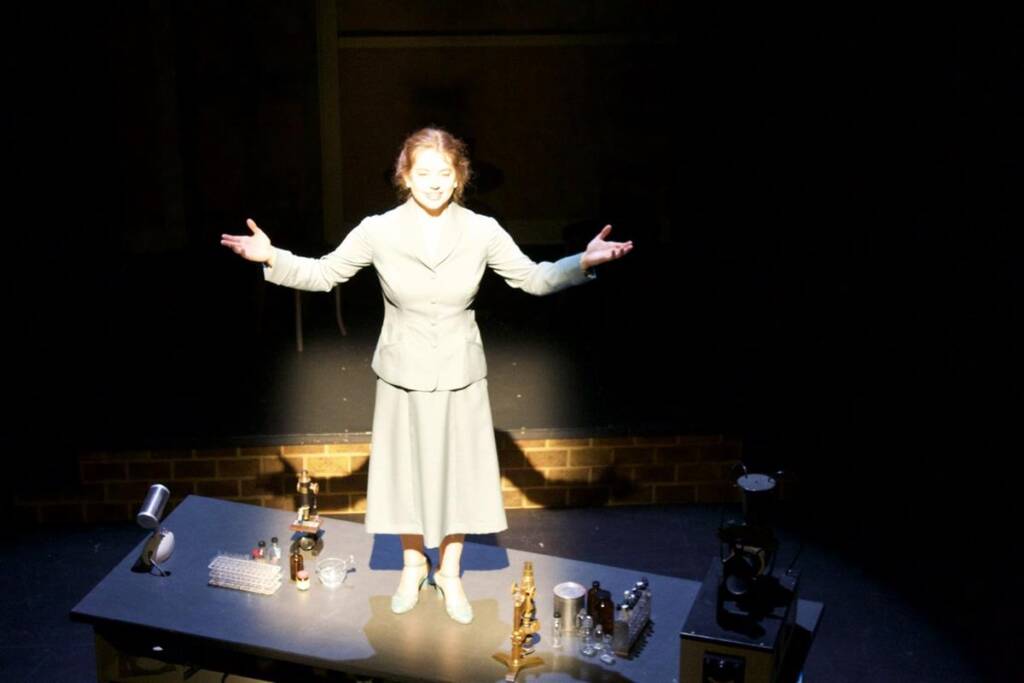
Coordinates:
(569, 598)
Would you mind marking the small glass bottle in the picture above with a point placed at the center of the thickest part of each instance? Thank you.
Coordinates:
(556, 631)
(598, 637)
(261, 550)
(625, 608)
(607, 654)
(296, 564)
(587, 646)
(275, 550)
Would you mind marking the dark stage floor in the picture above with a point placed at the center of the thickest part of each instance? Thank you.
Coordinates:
(881, 621)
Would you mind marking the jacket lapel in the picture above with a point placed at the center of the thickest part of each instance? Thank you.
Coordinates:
(451, 231)
(413, 237)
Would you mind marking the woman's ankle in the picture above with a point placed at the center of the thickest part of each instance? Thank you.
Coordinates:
(414, 558)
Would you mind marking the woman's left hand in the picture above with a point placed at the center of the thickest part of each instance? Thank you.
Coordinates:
(599, 251)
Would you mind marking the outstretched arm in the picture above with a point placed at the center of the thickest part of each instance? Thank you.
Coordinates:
(282, 267)
(521, 272)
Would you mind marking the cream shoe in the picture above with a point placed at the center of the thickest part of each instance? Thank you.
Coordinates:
(402, 602)
(455, 602)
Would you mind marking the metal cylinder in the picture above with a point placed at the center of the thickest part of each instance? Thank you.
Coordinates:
(759, 493)
(569, 599)
(153, 506)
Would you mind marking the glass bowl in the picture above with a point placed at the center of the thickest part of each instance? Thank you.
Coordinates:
(333, 570)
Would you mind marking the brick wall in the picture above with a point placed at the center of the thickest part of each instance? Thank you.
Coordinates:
(536, 472)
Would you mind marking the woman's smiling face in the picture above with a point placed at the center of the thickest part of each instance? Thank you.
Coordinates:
(431, 180)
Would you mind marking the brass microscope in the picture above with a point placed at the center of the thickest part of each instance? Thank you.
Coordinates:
(308, 522)
(524, 625)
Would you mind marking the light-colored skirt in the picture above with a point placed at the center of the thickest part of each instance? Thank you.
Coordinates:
(433, 464)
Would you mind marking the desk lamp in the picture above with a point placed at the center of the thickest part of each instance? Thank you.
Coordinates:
(161, 544)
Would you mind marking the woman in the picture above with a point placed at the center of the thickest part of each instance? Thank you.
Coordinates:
(433, 473)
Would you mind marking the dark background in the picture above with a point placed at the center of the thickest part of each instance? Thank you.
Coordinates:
(826, 210)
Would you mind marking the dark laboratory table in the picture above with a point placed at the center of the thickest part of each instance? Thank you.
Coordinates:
(350, 631)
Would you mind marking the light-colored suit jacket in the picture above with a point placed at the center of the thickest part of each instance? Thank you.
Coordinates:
(429, 340)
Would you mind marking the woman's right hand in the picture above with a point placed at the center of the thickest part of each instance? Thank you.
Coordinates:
(255, 247)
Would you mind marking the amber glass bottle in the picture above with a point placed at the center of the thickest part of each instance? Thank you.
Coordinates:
(604, 612)
(595, 588)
